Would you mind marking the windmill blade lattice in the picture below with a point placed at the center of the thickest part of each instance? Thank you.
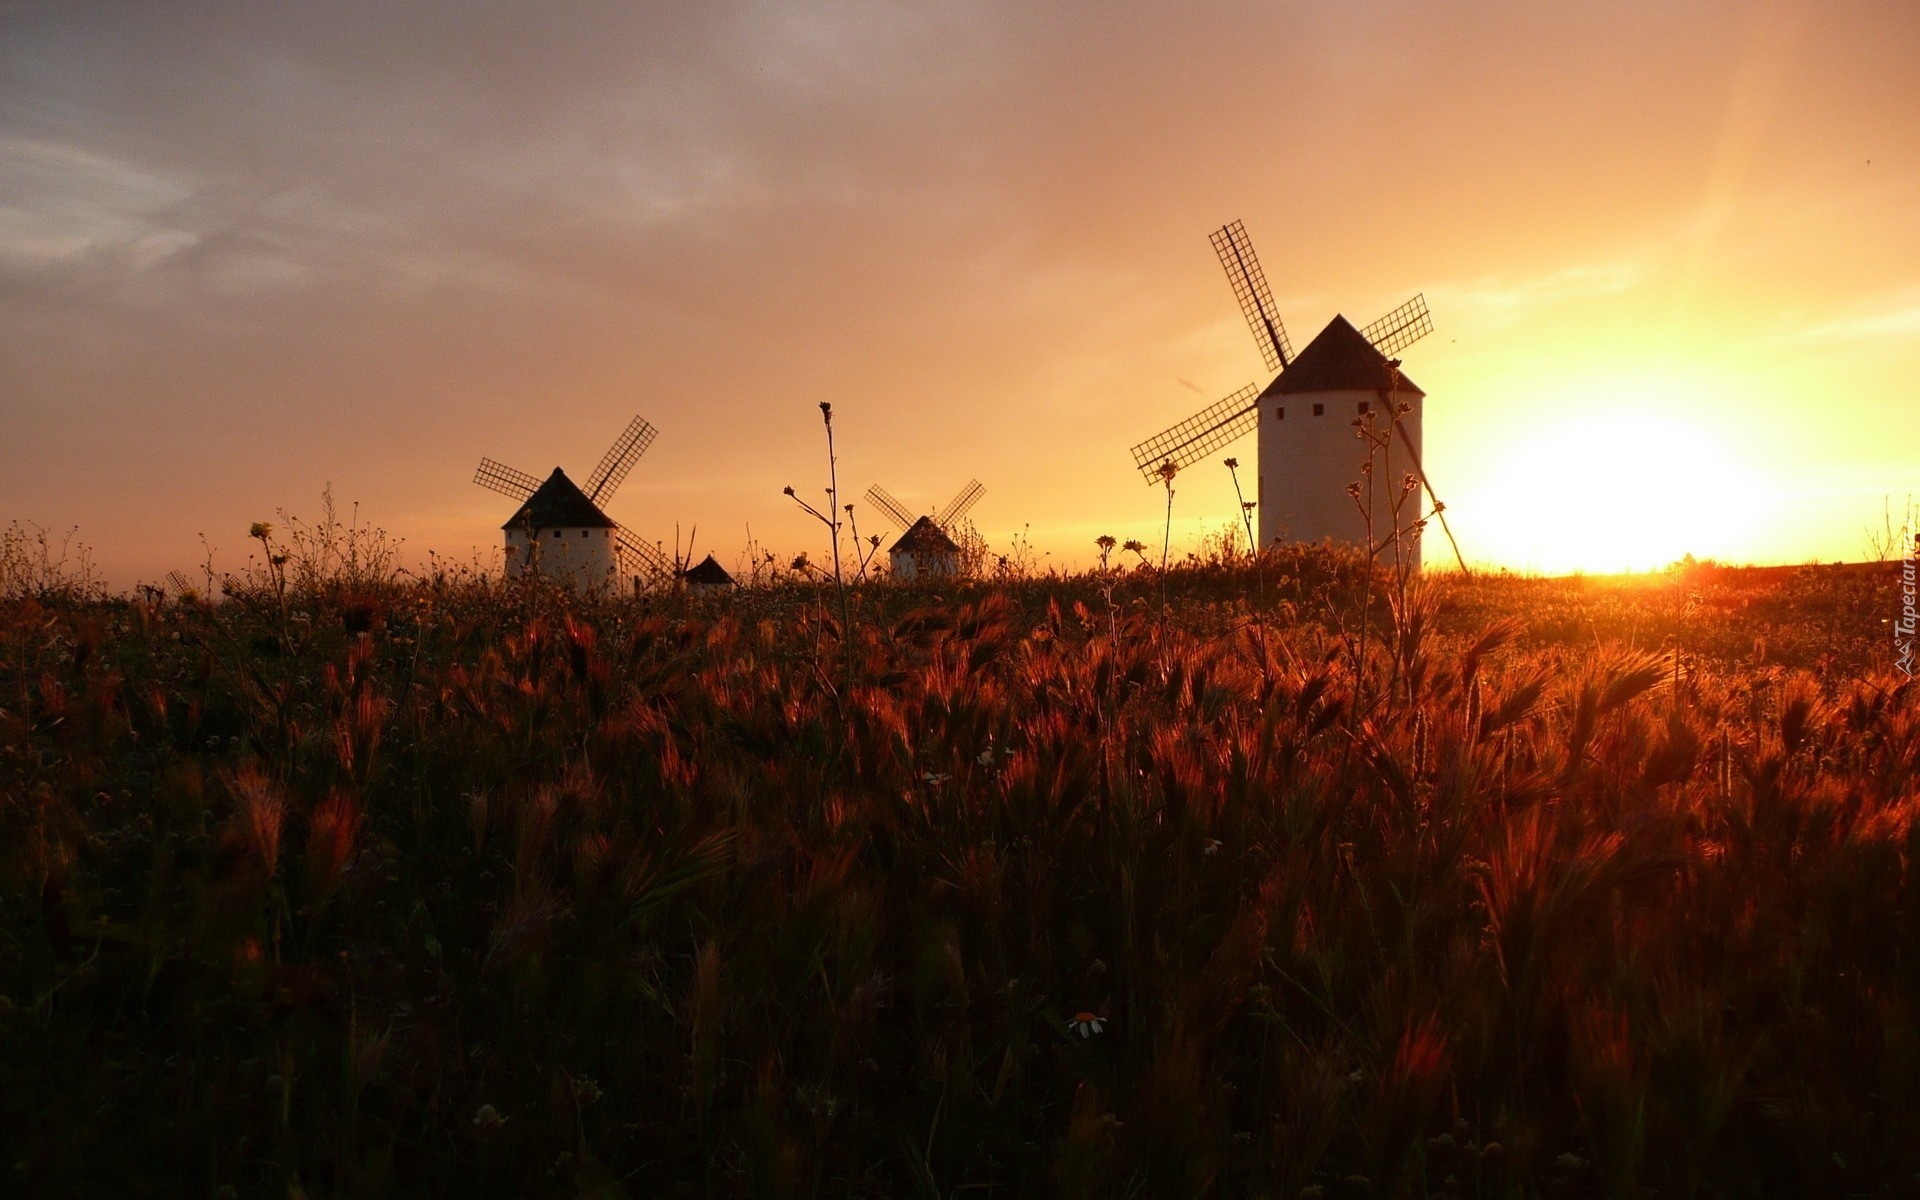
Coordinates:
(180, 585)
(1250, 288)
(1199, 435)
(619, 459)
(896, 512)
(505, 480)
(640, 558)
(960, 505)
(1400, 328)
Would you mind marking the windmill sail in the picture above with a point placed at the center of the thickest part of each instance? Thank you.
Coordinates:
(505, 480)
(1199, 435)
(1400, 328)
(1249, 283)
(640, 558)
(619, 459)
(960, 505)
(896, 512)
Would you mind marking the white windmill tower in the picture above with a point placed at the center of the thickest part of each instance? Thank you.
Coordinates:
(928, 546)
(560, 531)
(1308, 449)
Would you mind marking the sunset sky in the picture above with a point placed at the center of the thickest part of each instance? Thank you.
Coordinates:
(1672, 252)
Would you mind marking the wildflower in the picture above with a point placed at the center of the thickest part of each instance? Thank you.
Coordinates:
(935, 778)
(488, 1118)
(260, 530)
(1212, 847)
(985, 758)
(1086, 1024)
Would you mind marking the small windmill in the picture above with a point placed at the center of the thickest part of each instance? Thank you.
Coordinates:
(561, 531)
(928, 545)
(1343, 371)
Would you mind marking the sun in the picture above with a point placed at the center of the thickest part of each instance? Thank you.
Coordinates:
(1628, 490)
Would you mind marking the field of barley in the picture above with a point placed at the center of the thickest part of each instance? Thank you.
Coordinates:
(1267, 880)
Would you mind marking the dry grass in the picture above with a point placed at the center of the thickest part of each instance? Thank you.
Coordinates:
(1520, 888)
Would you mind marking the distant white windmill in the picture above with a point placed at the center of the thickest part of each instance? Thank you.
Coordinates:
(928, 545)
(559, 530)
(1307, 450)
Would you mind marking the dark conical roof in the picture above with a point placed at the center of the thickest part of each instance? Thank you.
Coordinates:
(708, 573)
(1340, 359)
(559, 504)
(924, 537)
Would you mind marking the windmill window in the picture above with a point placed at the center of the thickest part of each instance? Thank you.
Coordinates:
(1366, 406)
(1279, 414)
(586, 533)
(1319, 410)
(556, 533)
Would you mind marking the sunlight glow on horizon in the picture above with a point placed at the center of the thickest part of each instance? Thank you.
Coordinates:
(1612, 478)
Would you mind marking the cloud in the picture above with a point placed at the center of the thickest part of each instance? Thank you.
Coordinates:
(1496, 303)
(62, 203)
(360, 153)
(1896, 317)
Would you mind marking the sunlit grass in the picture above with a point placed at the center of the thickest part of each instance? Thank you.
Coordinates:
(1037, 887)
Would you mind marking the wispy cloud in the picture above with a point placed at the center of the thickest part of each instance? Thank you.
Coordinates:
(1496, 303)
(1895, 317)
(62, 203)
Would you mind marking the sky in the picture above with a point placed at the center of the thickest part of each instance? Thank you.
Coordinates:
(248, 252)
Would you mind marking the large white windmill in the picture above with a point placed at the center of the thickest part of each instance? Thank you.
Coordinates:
(928, 545)
(560, 531)
(1308, 450)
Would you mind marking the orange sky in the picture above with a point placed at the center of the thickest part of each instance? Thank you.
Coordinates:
(1671, 251)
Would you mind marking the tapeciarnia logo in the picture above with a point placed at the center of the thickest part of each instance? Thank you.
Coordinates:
(1903, 626)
